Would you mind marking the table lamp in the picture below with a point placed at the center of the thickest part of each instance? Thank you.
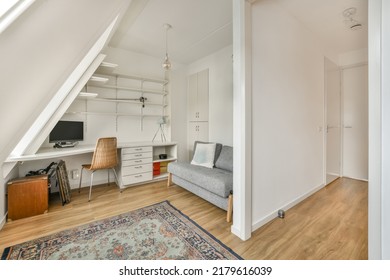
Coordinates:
(161, 121)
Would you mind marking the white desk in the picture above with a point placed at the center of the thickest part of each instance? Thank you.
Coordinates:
(169, 148)
(48, 153)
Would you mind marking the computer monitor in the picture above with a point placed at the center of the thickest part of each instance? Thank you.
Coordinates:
(67, 132)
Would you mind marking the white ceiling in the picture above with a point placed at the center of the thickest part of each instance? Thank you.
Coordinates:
(325, 19)
(201, 27)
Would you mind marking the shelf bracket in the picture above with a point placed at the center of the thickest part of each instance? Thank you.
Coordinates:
(142, 100)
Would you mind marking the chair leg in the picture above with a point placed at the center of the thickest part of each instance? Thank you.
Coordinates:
(90, 187)
(81, 177)
(116, 178)
(108, 177)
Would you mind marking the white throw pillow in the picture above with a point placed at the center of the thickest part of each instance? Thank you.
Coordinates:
(204, 155)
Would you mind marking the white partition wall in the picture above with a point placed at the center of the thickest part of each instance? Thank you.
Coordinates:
(288, 112)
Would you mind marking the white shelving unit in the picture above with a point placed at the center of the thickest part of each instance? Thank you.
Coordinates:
(143, 97)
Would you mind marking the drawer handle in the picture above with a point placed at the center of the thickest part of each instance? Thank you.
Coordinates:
(138, 149)
(138, 161)
(138, 155)
(138, 167)
(138, 176)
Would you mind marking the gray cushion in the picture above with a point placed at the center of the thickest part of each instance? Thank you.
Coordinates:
(218, 149)
(225, 159)
(217, 181)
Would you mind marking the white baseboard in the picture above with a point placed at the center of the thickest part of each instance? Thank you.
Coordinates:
(3, 220)
(364, 180)
(261, 222)
(74, 186)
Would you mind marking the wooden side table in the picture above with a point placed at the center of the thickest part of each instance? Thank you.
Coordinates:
(27, 196)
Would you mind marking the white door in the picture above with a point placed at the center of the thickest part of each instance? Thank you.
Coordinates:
(355, 135)
(333, 118)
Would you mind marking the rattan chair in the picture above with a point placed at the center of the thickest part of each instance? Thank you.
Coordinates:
(104, 157)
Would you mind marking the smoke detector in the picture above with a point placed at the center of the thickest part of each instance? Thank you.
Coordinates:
(349, 20)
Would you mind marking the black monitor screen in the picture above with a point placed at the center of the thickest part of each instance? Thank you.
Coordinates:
(67, 131)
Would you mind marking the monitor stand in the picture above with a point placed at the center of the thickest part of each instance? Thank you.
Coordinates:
(65, 144)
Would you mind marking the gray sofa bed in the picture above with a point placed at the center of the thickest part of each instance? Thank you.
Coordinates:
(212, 184)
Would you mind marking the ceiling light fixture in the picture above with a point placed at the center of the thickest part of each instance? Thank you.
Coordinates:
(349, 20)
(166, 64)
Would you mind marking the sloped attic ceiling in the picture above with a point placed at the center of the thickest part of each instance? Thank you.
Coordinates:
(199, 28)
(39, 51)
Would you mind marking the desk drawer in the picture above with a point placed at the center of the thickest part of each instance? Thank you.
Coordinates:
(136, 150)
(136, 169)
(140, 161)
(138, 178)
(137, 156)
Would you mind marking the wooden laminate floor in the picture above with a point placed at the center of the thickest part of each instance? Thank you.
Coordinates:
(331, 224)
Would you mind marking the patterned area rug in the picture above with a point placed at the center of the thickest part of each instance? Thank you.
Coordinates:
(155, 232)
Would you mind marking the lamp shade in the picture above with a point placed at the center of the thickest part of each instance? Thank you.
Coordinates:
(166, 64)
(161, 120)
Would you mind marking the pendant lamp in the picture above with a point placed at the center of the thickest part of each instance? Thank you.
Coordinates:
(166, 64)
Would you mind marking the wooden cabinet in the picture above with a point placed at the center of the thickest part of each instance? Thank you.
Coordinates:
(198, 96)
(28, 197)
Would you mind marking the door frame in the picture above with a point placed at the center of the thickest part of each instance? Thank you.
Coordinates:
(325, 126)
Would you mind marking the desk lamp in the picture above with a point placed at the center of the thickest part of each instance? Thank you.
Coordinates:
(161, 121)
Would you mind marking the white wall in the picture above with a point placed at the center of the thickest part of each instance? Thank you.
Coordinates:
(386, 130)
(126, 129)
(379, 133)
(179, 110)
(353, 57)
(3, 191)
(220, 67)
(39, 51)
(288, 111)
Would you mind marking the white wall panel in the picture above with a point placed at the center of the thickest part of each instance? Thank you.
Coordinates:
(220, 93)
(288, 111)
